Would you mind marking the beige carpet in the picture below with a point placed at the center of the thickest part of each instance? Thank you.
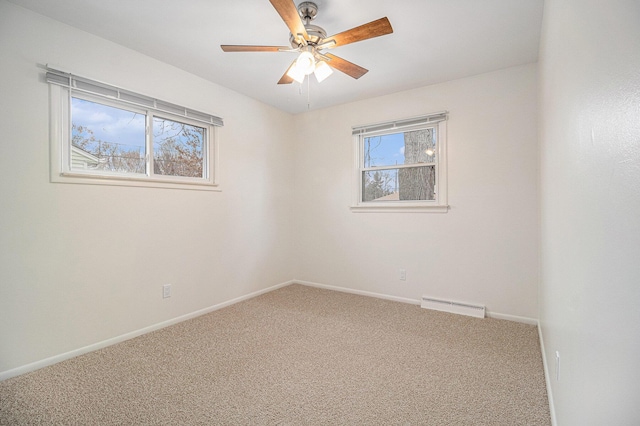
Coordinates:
(298, 356)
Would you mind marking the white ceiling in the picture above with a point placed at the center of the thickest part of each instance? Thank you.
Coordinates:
(433, 41)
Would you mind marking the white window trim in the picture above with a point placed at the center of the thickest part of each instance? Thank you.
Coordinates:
(60, 165)
(440, 204)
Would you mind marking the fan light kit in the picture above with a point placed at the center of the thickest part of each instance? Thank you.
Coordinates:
(322, 71)
(309, 40)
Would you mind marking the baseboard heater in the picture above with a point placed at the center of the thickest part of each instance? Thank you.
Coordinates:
(453, 307)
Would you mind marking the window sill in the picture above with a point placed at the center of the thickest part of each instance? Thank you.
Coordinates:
(398, 208)
(79, 178)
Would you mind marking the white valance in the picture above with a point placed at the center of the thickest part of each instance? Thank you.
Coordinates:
(74, 82)
(400, 124)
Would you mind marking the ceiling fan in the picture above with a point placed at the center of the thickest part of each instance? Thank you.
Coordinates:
(310, 40)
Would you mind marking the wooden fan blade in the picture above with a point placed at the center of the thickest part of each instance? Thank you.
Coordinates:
(373, 29)
(289, 14)
(247, 48)
(349, 68)
(285, 79)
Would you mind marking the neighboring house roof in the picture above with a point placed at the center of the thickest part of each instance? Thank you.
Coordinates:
(81, 159)
(394, 196)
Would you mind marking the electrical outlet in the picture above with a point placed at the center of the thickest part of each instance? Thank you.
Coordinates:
(557, 365)
(402, 274)
(166, 291)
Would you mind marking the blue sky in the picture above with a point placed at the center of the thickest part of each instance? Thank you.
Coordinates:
(123, 127)
(386, 150)
(110, 124)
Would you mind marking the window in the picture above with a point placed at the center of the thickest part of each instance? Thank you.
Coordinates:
(401, 165)
(105, 135)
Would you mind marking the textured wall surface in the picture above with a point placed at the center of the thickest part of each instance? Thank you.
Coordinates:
(590, 157)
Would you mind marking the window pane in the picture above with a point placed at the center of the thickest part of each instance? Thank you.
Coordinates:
(405, 184)
(106, 138)
(177, 148)
(412, 147)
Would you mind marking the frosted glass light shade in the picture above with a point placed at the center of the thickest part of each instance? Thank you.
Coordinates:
(322, 71)
(296, 74)
(306, 63)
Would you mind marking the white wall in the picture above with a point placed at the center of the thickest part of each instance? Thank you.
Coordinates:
(485, 249)
(83, 263)
(590, 152)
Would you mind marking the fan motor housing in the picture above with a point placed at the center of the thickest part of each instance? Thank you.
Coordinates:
(316, 35)
(308, 11)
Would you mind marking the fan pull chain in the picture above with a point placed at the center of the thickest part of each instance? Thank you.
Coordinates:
(308, 92)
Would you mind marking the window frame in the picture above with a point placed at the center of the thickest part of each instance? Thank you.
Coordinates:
(61, 146)
(438, 121)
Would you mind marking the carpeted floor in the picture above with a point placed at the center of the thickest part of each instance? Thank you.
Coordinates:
(298, 355)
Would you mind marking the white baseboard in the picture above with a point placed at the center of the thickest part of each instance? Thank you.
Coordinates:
(516, 318)
(359, 292)
(103, 344)
(496, 315)
(547, 377)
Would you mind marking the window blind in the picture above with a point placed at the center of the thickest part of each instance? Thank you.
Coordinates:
(86, 85)
(400, 124)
